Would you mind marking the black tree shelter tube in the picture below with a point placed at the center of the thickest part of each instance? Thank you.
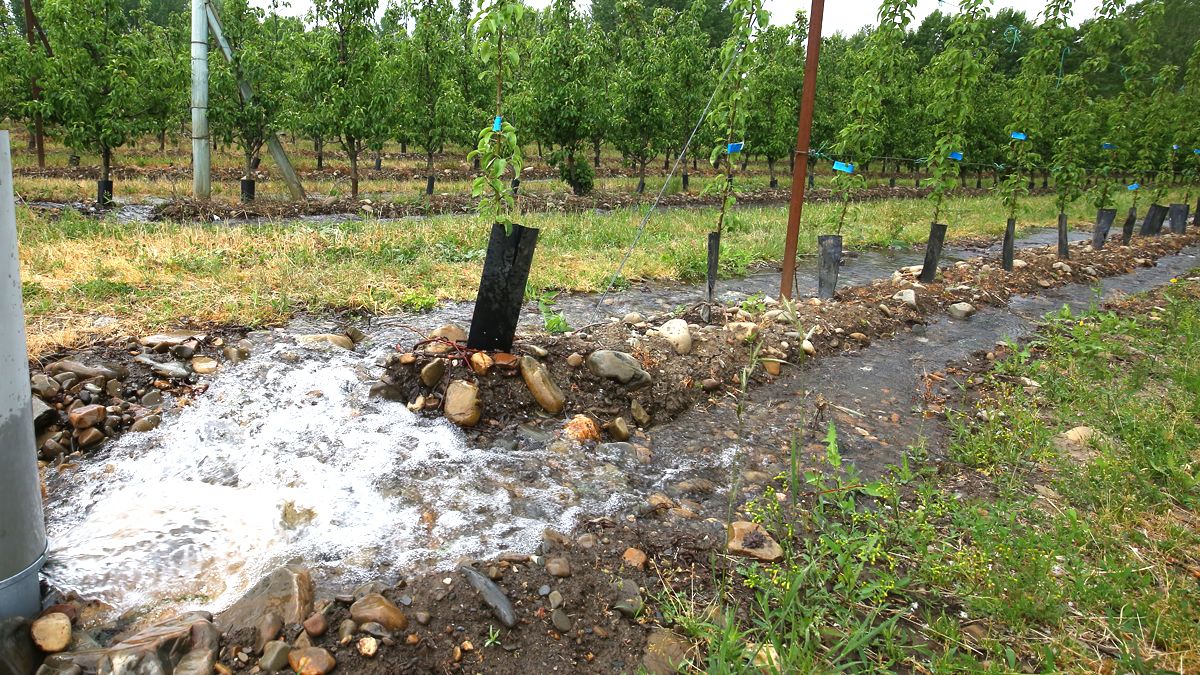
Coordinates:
(714, 260)
(247, 185)
(933, 252)
(1127, 228)
(1010, 236)
(104, 192)
(830, 259)
(1177, 214)
(502, 287)
(1104, 222)
(1064, 251)
(1155, 215)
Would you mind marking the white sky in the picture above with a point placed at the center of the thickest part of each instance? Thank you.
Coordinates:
(846, 16)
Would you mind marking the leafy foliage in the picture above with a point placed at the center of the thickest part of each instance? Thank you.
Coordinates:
(497, 149)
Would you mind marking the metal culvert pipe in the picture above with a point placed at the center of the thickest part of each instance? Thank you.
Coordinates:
(22, 527)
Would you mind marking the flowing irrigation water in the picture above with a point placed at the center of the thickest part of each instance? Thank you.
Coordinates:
(286, 458)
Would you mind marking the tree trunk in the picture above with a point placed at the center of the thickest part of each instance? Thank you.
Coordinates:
(684, 167)
(249, 165)
(352, 150)
(105, 163)
(539, 149)
(162, 140)
(667, 161)
(429, 173)
(319, 147)
(596, 152)
(378, 160)
(745, 161)
(641, 186)
(771, 168)
(404, 147)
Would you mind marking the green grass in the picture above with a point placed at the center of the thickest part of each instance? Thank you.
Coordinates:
(1053, 562)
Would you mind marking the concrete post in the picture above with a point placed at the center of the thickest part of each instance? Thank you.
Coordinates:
(22, 527)
(201, 159)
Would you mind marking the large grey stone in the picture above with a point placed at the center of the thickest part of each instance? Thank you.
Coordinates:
(287, 592)
(619, 366)
(186, 644)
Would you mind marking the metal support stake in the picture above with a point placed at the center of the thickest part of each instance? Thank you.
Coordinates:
(273, 144)
(803, 136)
(201, 159)
(22, 528)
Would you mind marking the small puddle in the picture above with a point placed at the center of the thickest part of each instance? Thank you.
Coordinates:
(285, 458)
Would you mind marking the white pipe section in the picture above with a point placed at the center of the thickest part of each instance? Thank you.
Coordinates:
(201, 160)
(22, 527)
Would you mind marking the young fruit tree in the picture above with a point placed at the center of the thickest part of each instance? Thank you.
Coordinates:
(93, 82)
(558, 91)
(1102, 38)
(259, 60)
(955, 74)
(641, 106)
(1029, 100)
(497, 149)
(434, 108)
(773, 93)
(345, 86)
(689, 71)
(1138, 132)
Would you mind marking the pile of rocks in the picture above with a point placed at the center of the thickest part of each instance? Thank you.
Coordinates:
(77, 405)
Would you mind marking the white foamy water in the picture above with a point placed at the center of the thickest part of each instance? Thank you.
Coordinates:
(287, 459)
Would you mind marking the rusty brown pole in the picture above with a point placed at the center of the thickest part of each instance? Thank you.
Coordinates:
(803, 136)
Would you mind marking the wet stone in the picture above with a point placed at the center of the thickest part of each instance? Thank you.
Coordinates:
(492, 596)
(375, 607)
(544, 390)
(433, 372)
(556, 599)
(316, 625)
(558, 567)
(627, 598)
(376, 629)
(346, 630)
(87, 416)
(275, 656)
(146, 423)
(619, 366)
(311, 660)
(44, 386)
(89, 437)
(560, 620)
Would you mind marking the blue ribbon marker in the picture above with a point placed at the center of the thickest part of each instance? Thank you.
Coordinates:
(1175, 147)
(1107, 146)
(956, 156)
(844, 167)
(1133, 186)
(496, 123)
(1018, 135)
(734, 148)
(1197, 151)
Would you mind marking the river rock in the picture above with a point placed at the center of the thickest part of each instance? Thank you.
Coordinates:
(368, 646)
(634, 557)
(451, 332)
(627, 598)
(676, 332)
(311, 660)
(186, 644)
(85, 371)
(52, 632)
(163, 341)
(375, 607)
(43, 385)
(143, 424)
(666, 652)
(173, 369)
(908, 296)
(582, 429)
(1018, 263)
(544, 390)
(961, 310)
(742, 331)
(492, 596)
(287, 592)
(316, 625)
(560, 621)
(89, 437)
(462, 403)
(618, 429)
(43, 415)
(619, 366)
(340, 341)
(204, 365)
(632, 319)
(267, 630)
(85, 417)
(433, 372)
(808, 348)
(275, 656)
(558, 567)
(481, 363)
(751, 540)
(639, 413)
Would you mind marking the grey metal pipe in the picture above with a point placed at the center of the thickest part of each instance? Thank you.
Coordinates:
(201, 158)
(22, 527)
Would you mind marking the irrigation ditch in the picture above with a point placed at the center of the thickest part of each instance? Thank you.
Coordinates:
(307, 485)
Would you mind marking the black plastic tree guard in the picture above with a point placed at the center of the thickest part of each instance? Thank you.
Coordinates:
(1064, 251)
(933, 252)
(828, 262)
(1127, 228)
(502, 287)
(1177, 214)
(104, 192)
(1104, 222)
(1010, 237)
(248, 186)
(1155, 216)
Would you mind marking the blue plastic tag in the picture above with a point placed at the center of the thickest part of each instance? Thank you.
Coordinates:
(734, 148)
(1107, 146)
(1175, 147)
(496, 123)
(1018, 135)
(1197, 151)
(844, 167)
(1133, 186)
(956, 156)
